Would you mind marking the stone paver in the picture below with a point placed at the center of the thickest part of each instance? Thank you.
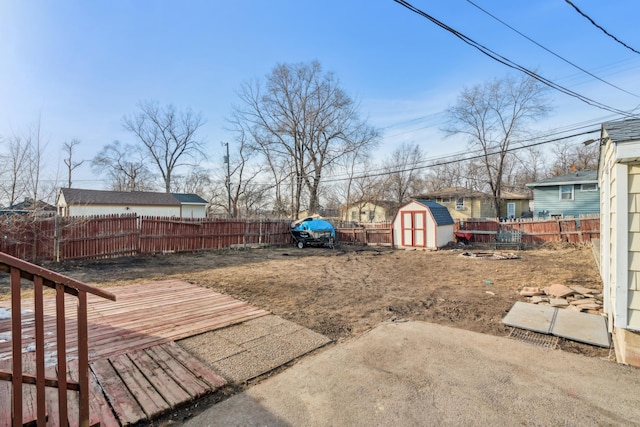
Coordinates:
(245, 351)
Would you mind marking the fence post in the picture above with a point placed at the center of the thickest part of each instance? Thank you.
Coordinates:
(56, 238)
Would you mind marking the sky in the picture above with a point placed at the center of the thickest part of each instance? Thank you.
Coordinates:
(78, 67)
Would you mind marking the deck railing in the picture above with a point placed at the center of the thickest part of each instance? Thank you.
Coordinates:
(18, 271)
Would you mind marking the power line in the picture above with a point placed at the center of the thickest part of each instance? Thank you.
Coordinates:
(505, 61)
(600, 27)
(550, 51)
(458, 160)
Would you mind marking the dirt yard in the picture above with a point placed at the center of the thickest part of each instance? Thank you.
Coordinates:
(343, 292)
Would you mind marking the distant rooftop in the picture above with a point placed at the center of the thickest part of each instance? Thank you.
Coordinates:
(578, 177)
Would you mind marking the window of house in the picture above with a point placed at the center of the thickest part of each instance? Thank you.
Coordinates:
(589, 187)
(446, 200)
(460, 203)
(354, 215)
(566, 192)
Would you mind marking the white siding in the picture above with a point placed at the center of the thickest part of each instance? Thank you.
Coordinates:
(194, 211)
(445, 235)
(634, 247)
(88, 210)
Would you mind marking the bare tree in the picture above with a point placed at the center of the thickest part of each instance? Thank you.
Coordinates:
(14, 166)
(404, 172)
(304, 116)
(243, 174)
(568, 154)
(125, 168)
(196, 181)
(35, 146)
(492, 115)
(168, 136)
(68, 161)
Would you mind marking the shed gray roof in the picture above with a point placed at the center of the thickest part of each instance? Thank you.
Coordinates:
(623, 130)
(190, 198)
(579, 177)
(100, 197)
(440, 213)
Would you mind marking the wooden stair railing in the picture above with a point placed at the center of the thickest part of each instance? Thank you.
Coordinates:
(41, 277)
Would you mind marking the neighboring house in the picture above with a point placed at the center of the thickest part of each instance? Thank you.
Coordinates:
(372, 211)
(573, 194)
(619, 179)
(330, 213)
(422, 224)
(191, 205)
(27, 207)
(80, 202)
(464, 203)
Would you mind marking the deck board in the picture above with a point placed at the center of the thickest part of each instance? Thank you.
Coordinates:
(137, 370)
(143, 315)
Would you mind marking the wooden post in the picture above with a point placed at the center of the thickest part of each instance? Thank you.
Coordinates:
(16, 343)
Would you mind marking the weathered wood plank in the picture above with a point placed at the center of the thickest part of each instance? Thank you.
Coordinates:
(192, 385)
(5, 396)
(171, 391)
(99, 411)
(115, 329)
(151, 402)
(195, 365)
(120, 398)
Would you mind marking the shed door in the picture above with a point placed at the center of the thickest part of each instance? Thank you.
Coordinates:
(414, 228)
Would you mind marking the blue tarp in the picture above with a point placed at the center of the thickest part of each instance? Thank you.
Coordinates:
(316, 224)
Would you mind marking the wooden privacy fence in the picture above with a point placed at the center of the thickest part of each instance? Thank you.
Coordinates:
(64, 238)
(534, 231)
(375, 236)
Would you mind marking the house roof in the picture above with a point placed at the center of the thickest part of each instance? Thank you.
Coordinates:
(191, 199)
(440, 213)
(78, 196)
(623, 130)
(27, 205)
(453, 192)
(578, 177)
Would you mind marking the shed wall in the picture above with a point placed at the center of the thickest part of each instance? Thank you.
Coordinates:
(194, 211)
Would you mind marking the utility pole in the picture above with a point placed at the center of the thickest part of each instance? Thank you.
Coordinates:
(226, 160)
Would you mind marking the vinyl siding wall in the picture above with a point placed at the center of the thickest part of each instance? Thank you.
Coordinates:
(473, 208)
(88, 210)
(547, 199)
(522, 206)
(633, 313)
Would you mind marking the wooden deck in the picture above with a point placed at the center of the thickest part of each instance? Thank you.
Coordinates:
(139, 373)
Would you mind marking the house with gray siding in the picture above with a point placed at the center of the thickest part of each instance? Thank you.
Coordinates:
(571, 195)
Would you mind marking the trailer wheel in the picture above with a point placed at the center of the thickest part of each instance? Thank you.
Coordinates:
(300, 244)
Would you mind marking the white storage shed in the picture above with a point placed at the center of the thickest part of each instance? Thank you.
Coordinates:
(422, 224)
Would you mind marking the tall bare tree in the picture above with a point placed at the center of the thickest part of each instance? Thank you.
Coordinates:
(303, 115)
(568, 154)
(68, 161)
(492, 115)
(124, 166)
(404, 174)
(246, 196)
(14, 166)
(168, 135)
